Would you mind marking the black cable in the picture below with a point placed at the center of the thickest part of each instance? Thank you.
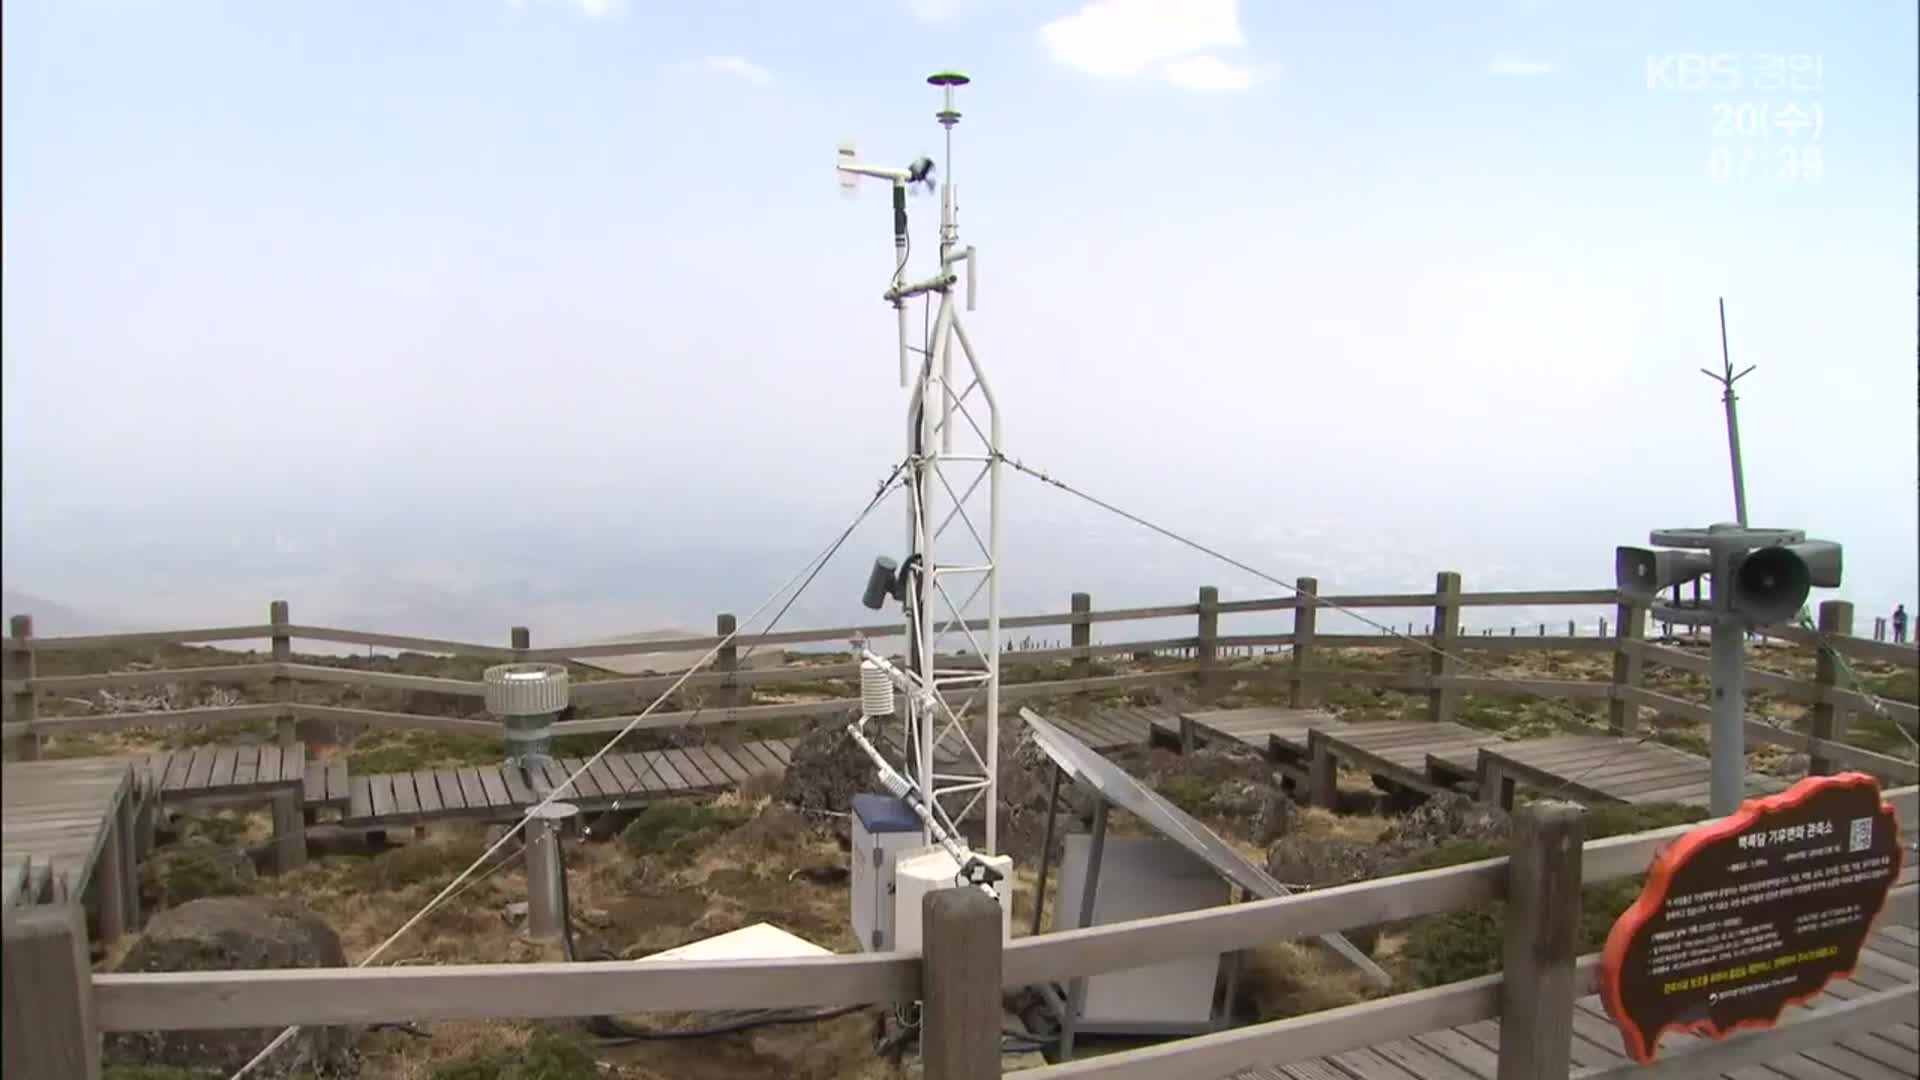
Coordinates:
(615, 1032)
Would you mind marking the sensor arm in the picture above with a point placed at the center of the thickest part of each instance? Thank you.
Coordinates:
(877, 172)
(973, 869)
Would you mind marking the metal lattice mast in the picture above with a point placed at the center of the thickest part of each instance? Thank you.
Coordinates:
(949, 584)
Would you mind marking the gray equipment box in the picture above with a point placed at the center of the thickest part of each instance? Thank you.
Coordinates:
(883, 827)
(1141, 876)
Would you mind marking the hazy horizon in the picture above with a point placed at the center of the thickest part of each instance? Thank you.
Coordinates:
(441, 317)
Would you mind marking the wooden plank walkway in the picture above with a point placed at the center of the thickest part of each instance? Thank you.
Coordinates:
(1398, 751)
(1112, 727)
(1103, 729)
(1588, 768)
(1470, 1052)
(326, 784)
(55, 821)
(1266, 728)
(218, 772)
(493, 791)
(1426, 757)
(1277, 732)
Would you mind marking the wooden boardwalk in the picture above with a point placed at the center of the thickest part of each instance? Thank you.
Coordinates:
(1396, 751)
(1425, 757)
(491, 791)
(219, 772)
(66, 830)
(1112, 727)
(1103, 729)
(1587, 768)
(1892, 958)
(1276, 732)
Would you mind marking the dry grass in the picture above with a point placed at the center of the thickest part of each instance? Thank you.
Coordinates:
(1292, 978)
(1325, 824)
(395, 1055)
(624, 906)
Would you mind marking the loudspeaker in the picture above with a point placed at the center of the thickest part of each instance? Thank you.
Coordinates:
(1823, 562)
(1642, 572)
(1770, 584)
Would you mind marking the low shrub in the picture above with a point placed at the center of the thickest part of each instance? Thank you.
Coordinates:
(406, 751)
(548, 1056)
(1459, 945)
(681, 826)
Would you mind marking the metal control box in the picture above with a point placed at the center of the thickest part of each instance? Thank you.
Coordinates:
(1143, 876)
(883, 827)
(930, 869)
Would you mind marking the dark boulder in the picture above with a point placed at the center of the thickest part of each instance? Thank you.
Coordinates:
(231, 934)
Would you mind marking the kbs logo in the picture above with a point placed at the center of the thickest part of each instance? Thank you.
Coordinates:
(1728, 72)
(1718, 72)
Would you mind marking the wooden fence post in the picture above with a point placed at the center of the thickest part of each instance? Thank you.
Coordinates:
(1829, 719)
(728, 659)
(48, 995)
(960, 1013)
(1623, 713)
(284, 728)
(1305, 618)
(24, 702)
(1208, 651)
(1442, 702)
(109, 884)
(1542, 937)
(1082, 633)
(1080, 636)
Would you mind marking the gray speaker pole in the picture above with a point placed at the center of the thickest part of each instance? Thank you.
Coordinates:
(1728, 672)
(1726, 378)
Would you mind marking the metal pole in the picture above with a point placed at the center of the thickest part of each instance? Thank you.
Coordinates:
(993, 624)
(1728, 672)
(1046, 849)
(1077, 991)
(1733, 423)
(546, 906)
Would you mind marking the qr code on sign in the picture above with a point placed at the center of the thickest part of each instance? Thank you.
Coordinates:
(1860, 835)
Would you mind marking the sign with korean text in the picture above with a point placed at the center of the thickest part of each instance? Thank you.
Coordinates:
(1747, 915)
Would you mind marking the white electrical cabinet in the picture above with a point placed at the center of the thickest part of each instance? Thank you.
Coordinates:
(1141, 876)
(930, 869)
(883, 827)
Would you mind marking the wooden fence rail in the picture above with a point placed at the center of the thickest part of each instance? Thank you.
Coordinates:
(1446, 677)
(1541, 881)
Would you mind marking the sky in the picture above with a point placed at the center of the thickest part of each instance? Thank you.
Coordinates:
(442, 315)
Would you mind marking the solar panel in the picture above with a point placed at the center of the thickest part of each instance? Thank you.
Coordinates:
(1114, 784)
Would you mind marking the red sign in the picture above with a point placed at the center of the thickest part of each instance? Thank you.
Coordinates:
(1750, 914)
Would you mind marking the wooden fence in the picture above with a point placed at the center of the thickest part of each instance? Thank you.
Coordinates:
(54, 1031)
(1205, 661)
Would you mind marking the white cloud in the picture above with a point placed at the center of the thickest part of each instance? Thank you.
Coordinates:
(1207, 72)
(1515, 65)
(739, 67)
(1128, 38)
(592, 9)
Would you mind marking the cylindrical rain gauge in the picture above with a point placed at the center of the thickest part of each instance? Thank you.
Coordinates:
(526, 698)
